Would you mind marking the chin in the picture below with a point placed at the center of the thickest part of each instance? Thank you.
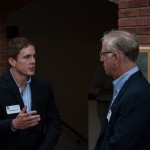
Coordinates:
(31, 74)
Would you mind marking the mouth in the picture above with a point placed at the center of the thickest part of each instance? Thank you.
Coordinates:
(32, 68)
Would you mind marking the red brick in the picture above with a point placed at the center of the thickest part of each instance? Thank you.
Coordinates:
(122, 22)
(144, 30)
(130, 29)
(148, 21)
(123, 4)
(3, 57)
(2, 50)
(144, 12)
(129, 22)
(3, 63)
(128, 12)
(3, 43)
(2, 69)
(144, 39)
(142, 21)
(137, 3)
(137, 30)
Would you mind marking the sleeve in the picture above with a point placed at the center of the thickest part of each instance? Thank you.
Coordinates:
(5, 128)
(131, 125)
(53, 127)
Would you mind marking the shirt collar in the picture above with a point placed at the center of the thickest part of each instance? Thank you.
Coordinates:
(118, 83)
(29, 81)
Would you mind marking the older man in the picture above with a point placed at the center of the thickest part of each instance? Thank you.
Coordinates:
(127, 125)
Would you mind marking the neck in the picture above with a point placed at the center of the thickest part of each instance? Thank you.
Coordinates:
(123, 69)
(19, 78)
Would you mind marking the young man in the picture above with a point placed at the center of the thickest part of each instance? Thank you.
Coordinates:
(127, 125)
(29, 119)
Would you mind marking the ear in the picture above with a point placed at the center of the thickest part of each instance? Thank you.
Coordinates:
(11, 61)
(117, 58)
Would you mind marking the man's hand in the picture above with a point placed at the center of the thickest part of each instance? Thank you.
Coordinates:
(26, 119)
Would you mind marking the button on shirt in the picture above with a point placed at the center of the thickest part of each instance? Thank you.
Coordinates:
(117, 84)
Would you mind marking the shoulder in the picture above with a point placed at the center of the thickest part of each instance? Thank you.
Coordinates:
(6, 76)
(136, 90)
(139, 81)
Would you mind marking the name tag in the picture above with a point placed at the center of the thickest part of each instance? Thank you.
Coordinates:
(13, 109)
(109, 115)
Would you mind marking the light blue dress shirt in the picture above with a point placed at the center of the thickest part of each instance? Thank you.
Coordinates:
(118, 83)
(26, 94)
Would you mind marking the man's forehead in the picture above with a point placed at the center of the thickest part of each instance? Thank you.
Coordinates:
(28, 50)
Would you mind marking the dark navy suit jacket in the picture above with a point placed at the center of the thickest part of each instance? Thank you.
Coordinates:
(41, 137)
(129, 125)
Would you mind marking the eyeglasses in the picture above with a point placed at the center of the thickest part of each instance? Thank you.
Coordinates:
(102, 53)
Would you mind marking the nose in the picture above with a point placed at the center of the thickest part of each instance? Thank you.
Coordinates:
(33, 59)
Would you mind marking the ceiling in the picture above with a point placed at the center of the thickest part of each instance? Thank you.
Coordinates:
(9, 6)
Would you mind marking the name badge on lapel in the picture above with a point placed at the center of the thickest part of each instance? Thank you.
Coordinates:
(13, 109)
(109, 115)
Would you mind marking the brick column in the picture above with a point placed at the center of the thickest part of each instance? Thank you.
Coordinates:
(3, 43)
(134, 16)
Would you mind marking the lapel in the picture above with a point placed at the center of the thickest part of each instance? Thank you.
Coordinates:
(105, 123)
(123, 89)
(34, 93)
(13, 88)
(117, 100)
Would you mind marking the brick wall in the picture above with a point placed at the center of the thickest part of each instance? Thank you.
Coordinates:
(7, 7)
(3, 42)
(134, 16)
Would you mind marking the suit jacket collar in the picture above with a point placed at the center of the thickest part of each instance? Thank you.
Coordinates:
(123, 89)
(118, 98)
(34, 93)
(11, 84)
